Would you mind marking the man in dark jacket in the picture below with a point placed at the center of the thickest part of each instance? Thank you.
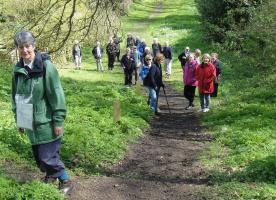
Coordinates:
(128, 64)
(167, 52)
(183, 56)
(98, 53)
(77, 54)
(111, 51)
(130, 42)
(117, 40)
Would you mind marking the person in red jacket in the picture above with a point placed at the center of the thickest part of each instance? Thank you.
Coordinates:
(205, 75)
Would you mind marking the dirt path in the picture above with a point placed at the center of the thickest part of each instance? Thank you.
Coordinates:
(164, 164)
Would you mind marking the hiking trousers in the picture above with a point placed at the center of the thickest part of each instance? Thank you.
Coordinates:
(48, 159)
(205, 100)
(189, 93)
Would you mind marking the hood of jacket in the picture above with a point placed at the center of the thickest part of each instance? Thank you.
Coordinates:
(37, 69)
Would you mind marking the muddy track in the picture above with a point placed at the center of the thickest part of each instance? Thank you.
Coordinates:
(164, 164)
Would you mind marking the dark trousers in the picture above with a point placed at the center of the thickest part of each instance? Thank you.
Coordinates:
(118, 56)
(47, 158)
(128, 76)
(215, 93)
(111, 60)
(136, 74)
(189, 93)
(157, 98)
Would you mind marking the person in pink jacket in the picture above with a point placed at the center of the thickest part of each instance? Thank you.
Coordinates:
(189, 79)
(205, 74)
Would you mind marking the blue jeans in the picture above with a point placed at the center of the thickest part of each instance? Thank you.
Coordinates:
(205, 100)
(153, 98)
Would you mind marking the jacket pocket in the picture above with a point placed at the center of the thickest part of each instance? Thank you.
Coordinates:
(41, 114)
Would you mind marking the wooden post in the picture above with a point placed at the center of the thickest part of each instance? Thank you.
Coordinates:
(138, 88)
(116, 111)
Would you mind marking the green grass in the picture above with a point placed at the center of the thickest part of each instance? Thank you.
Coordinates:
(242, 159)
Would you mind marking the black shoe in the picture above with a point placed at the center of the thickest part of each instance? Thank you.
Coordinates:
(157, 113)
(49, 179)
(65, 186)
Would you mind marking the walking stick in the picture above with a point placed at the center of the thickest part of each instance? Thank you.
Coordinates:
(166, 100)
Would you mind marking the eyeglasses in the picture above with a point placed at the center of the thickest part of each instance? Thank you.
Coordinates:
(148, 59)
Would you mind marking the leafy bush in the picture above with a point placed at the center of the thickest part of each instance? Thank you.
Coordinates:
(224, 19)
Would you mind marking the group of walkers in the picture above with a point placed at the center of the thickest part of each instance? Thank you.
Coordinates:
(38, 100)
(137, 50)
(145, 62)
(205, 75)
(139, 59)
(112, 51)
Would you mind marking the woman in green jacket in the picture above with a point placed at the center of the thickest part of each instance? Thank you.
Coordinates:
(39, 108)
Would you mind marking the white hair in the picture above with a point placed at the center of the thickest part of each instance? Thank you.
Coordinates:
(24, 37)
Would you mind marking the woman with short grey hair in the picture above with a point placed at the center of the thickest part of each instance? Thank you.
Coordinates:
(38, 104)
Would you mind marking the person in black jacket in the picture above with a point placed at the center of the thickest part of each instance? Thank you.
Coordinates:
(183, 56)
(77, 54)
(117, 40)
(128, 64)
(111, 51)
(154, 82)
(98, 53)
(216, 63)
(158, 60)
(130, 41)
(167, 51)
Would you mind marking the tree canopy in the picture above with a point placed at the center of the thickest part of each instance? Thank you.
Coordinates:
(57, 23)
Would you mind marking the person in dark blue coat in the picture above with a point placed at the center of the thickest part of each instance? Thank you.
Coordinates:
(215, 61)
(167, 51)
(154, 82)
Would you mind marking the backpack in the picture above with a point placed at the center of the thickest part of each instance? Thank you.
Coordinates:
(144, 72)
